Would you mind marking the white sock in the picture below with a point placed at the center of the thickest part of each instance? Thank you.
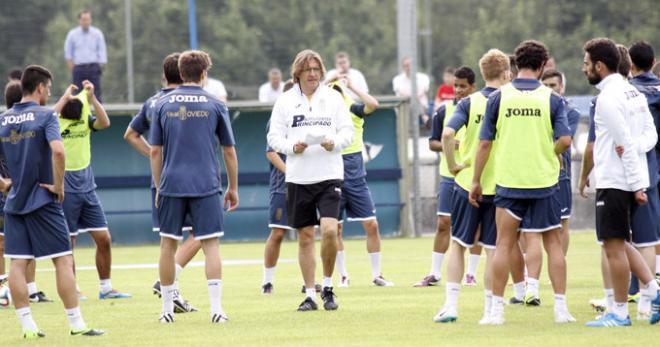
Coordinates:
(560, 302)
(177, 271)
(32, 288)
(620, 310)
(657, 263)
(532, 287)
(473, 264)
(215, 295)
(497, 307)
(75, 319)
(648, 293)
(488, 302)
(609, 299)
(310, 293)
(269, 274)
(327, 282)
(375, 264)
(452, 291)
(340, 263)
(27, 322)
(436, 264)
(519, 290)
(106, 285)
(167, 293)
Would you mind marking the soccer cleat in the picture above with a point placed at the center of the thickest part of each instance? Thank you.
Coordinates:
(166, 318)
(87, 332)
(39, 297)
(445, 316)
(610, 320)
(345, 281)
(496, 319)
(655, 309)
(516, 301)
(532, 300)
(382, 282)
(600, 305)
(308, 305)
(219, 318)
(182, 306)
(563, 316)
(427, 281)
(3, 279)
(113, 294)
(267, 289)
(156, 288)
(469, 280)
(33, 335)
(317, 287)
(328, 297)
(634, 298)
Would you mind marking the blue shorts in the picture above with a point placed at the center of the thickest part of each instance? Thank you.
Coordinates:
(565, 196)
(277, 212)
(467, 219)
(356, 203)
(205, 216)
(155, 224)
(83, 212)
(445, 191)
(40, 234)
(645, 220)
(535, 215)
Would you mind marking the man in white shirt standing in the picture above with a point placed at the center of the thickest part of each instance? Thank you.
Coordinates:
(216, 88)
(311, 125)
(402, 86)
(271, 90)
(623, 121)
(343, 67)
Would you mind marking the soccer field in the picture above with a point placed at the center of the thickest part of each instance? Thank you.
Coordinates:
(368, 315)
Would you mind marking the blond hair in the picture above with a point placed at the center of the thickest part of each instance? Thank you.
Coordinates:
(493, 64)
(302, 60)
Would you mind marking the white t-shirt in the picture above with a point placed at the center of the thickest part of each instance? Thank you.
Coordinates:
(268, 94)
(359, 82)
(215, 88)
(402, 85)
(297, 118)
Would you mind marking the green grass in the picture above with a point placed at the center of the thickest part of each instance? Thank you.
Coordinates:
(368, 315)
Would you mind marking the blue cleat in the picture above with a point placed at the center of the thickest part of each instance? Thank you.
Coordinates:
(655, 309)
(610, 320)
(113, 294)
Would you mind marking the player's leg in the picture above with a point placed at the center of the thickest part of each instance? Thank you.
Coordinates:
(517, 261)
(648, 286)
(557, 273)
(534, 262)
(34, 293)
(307, 258)
(340, 262)
(271, 255)
(442, 233)
(473, 263)
(566, 205)
(327, 203)
(607, 304)
(565, 236)
(171, 214)
(213, 268)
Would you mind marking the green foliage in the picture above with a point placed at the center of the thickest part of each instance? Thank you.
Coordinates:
(246, 38)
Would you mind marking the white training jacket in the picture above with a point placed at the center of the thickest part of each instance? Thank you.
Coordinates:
(297, 118)
(622, 118)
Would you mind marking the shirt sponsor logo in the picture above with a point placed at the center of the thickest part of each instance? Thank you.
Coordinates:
(479, 118)
(630, 94)
(14, 137)
(187, 98)
(184, 114)
(523, 112)
(302, 121)
(18, 119)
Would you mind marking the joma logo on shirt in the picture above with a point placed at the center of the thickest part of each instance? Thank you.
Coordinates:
(478, 119)
(301, 121)
(523, 112)
(18, 119)
(187, 98)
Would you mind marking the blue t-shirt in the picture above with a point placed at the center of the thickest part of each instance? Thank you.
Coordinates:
(461, 115)
(80, 181)
(277, 178)
(189, 122)
(25, 133)
(559, 125)
(573, 117)
(649, 85)
(438, 122)
(4, 172)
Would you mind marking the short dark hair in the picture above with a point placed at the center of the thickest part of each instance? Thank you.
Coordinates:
(531, 54)
(603, 50)
(512, 65)
(465, 72)
(13, 93)
(72, 109)
(642, 55)
(85, 11)
(15, 74)
(171, 68)
(625, 65)
(550, 73)
(33, 75)
(192, 65)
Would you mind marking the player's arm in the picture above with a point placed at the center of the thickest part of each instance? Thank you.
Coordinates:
(57, 157)
(138, 142)
(231, 164)
(102, 120)
(156, 161)
(345, 129)
(561, 129)
(458, 120)
(68, 51)
(65, 97)
(649, 137)
(587, 166)
(277, 162)
(435, 141)
(370, 103)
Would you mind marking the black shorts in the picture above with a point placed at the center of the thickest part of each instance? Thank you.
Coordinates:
(304, 200)
(613, 207)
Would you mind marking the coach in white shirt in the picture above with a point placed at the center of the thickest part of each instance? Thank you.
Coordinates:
(402, 85)
(622, 120)
(271, 90)
(310, 123)
(343, 67)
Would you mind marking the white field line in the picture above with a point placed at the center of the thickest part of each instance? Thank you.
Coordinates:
(236, 262)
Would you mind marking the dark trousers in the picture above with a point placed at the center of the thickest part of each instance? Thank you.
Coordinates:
(91, 72)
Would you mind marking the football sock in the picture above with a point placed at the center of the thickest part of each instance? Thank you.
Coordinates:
(532, 287)
(473, 264)
(436, 264)
(106, 285)
(519, 290)
(25, 316)
(215, 295)
(32, 288)
(340, 263)
(167, 293)
(621, 309)
(269, 274)
(609, 299)
(375, 264)
(452, 291)
(75, 319)
(327, 282)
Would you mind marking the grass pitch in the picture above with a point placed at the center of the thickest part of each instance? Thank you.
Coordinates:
(368, 315)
